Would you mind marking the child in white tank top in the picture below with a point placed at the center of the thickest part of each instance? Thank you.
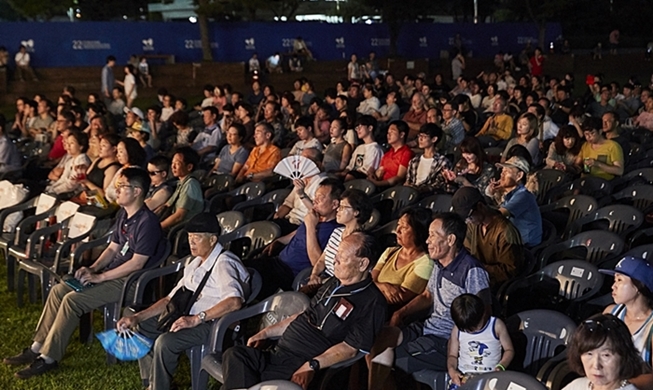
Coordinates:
(476, 342)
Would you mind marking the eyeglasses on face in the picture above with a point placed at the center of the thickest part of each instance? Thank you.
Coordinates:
(121, 187)
(152, 173)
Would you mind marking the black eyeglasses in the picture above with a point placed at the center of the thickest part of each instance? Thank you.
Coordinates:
(152, 173)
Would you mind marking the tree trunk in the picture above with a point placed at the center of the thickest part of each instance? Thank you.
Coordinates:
(203, 22)
(542, 35)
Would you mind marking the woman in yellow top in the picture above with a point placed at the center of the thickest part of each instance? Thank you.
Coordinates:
(600, 156)
(402, 272)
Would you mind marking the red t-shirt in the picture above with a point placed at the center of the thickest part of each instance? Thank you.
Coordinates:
(57, 150)
(536, 69)
(392, 160)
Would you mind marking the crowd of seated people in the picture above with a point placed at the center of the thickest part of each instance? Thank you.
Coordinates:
(483, 144)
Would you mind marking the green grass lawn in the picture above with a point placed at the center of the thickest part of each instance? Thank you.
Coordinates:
(83, 367)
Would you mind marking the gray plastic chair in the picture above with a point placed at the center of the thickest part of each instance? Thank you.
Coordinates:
(199, 378)
(275, 308)
(47, 266)
(503, 380)
(8, 239)
(622, 219)
(440, 203)
(248, 190)
(216, 184)
(230, 221)
(598, 244)
(578, 281)
(639, 196)
(547, 179)
(643, 252)
(276, 385)
(401, 197)
(374, 220)
(361, 184)
(538, 335)
(261, 233)
(578, 206)
(274, 198)
(645, 173)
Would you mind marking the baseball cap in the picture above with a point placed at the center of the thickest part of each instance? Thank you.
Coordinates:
(135, 110)
(516, 162)
(465, 199)
(203, 223)
(635, 268)
(139, 126)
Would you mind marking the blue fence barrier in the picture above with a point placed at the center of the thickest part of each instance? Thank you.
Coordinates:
(59, 44)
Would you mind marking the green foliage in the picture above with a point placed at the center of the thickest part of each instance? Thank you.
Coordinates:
(39, 9)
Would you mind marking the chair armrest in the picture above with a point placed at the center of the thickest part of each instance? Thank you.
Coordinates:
(172, 233)
(76, 255)
(29, 221)
(150, 274)
(4, 213)
(639, 233)
(243, 205)
(220, 327)
(66, 245)
(40, 234)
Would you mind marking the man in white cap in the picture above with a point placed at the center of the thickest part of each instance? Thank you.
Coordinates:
(518, 204)
(133, 115)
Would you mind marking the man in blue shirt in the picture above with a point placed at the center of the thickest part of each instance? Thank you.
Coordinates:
(108, 79)
(304, 245)
(519, 205)
(137, 242)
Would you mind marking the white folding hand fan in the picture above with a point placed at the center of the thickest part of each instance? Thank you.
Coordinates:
(296, 167)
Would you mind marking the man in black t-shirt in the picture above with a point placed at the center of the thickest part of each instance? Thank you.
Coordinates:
(562, 105)
(343, 318)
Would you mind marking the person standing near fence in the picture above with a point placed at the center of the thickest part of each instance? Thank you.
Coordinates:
(23, 67)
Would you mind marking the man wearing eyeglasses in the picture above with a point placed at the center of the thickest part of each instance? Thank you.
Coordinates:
(137, 242)
(343, 319)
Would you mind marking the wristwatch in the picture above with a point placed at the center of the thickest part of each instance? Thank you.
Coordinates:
(314, 365)
(202, 316)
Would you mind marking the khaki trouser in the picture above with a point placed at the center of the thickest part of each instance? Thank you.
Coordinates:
(63, 309)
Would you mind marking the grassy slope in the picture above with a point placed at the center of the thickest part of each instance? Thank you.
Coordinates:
(84, 367)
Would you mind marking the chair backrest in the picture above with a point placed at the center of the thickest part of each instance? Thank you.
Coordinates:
(401, 196)
(65, 210)
(80, 224)
(599, 244)
(261, 233)
(643, 251)
(230, 221)
(44, 203)
(276, 197)
(577, 278)
(251, 190)
(440, 203)
(371, 223)
(538, 335)
(255, 284)
(640, 196)
(592, 186)
(281, 306)
(621, 219)
(276, 384)
(218, 182)
(578, 206)
(645, 173)
(361, 184)
(503, 380)
(547, 179)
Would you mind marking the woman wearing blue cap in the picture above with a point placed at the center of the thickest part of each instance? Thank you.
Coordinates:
(633, 298)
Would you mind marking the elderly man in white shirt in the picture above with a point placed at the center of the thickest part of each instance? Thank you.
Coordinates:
(226, 290)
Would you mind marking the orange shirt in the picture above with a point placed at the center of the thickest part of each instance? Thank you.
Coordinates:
(262, 160)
